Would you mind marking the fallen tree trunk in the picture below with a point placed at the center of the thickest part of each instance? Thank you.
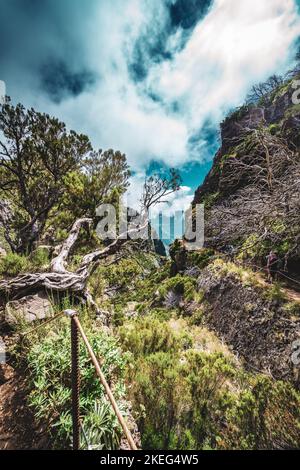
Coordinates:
(59, 279)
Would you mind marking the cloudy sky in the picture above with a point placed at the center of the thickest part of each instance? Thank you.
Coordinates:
(152, 78)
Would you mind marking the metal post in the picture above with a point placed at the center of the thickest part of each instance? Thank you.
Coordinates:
(105, 385)
(75, 378)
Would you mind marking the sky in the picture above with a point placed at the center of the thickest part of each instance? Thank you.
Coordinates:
(152, 78)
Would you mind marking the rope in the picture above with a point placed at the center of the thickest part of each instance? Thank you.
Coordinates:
(260, 268)
(75, 373)
(42, 324)
(279, 272)
(105, 385)
(290, 278)
(77, 325)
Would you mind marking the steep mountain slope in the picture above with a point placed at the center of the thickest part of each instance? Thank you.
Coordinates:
(252, 193)
(210, 352)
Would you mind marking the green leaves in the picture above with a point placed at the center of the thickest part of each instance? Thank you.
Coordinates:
(45, 169)
(13, 264)
(189, 399)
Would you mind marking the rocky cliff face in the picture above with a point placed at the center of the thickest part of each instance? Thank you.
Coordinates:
(280, 117)
(260, 326)
(252, 193)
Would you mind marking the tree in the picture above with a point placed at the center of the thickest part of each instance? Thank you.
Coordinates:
(44, 168)
(105, 177)
(157, 188)
(59, 279)
(262, 91)
(35, 155)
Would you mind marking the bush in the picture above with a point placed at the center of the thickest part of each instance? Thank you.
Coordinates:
(274, 129)
(39, 259)
(13, 264)
(265, 416)
(121, 274)
(148, 335)
(198, 400)
(200, 258)
(182, 286)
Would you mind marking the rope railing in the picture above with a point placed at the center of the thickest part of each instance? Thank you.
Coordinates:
(263, 269)
(46, 322)
(76, 330)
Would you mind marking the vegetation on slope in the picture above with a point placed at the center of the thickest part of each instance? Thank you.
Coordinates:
(251, 194)
(46, 356)
(187, 389)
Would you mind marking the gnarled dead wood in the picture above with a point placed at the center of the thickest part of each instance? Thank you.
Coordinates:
(59, 279)
(58, 264)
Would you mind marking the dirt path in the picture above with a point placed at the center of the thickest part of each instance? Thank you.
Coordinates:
(18, 431)
(290, 294)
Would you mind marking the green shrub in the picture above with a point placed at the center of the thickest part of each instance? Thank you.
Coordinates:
(200, 258)
(198, 400)
(148, 335)
(274, 129)
(265, 416)
(13, 264)
(274, 292)
(292, 308)
(39, 259)
(180, 285)
(210, 199)
(197, 318)
(119, 275)
(118, 315)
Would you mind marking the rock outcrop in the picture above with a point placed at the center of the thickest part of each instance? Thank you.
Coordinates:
(281, 113)
(28, 309)
(262, 331)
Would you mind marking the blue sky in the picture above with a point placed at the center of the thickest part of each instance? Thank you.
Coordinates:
(152, 78)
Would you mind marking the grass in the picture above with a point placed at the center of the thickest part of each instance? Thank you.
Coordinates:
(187, 389)
(12, 264)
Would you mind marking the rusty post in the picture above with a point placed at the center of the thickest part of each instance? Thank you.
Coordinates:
(75, 378)
(105, 385)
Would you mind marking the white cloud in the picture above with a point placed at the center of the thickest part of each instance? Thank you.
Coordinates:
(238, 43)
(116, 113)
(175, 202)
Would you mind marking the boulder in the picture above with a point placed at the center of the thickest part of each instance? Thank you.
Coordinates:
(28, 309)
